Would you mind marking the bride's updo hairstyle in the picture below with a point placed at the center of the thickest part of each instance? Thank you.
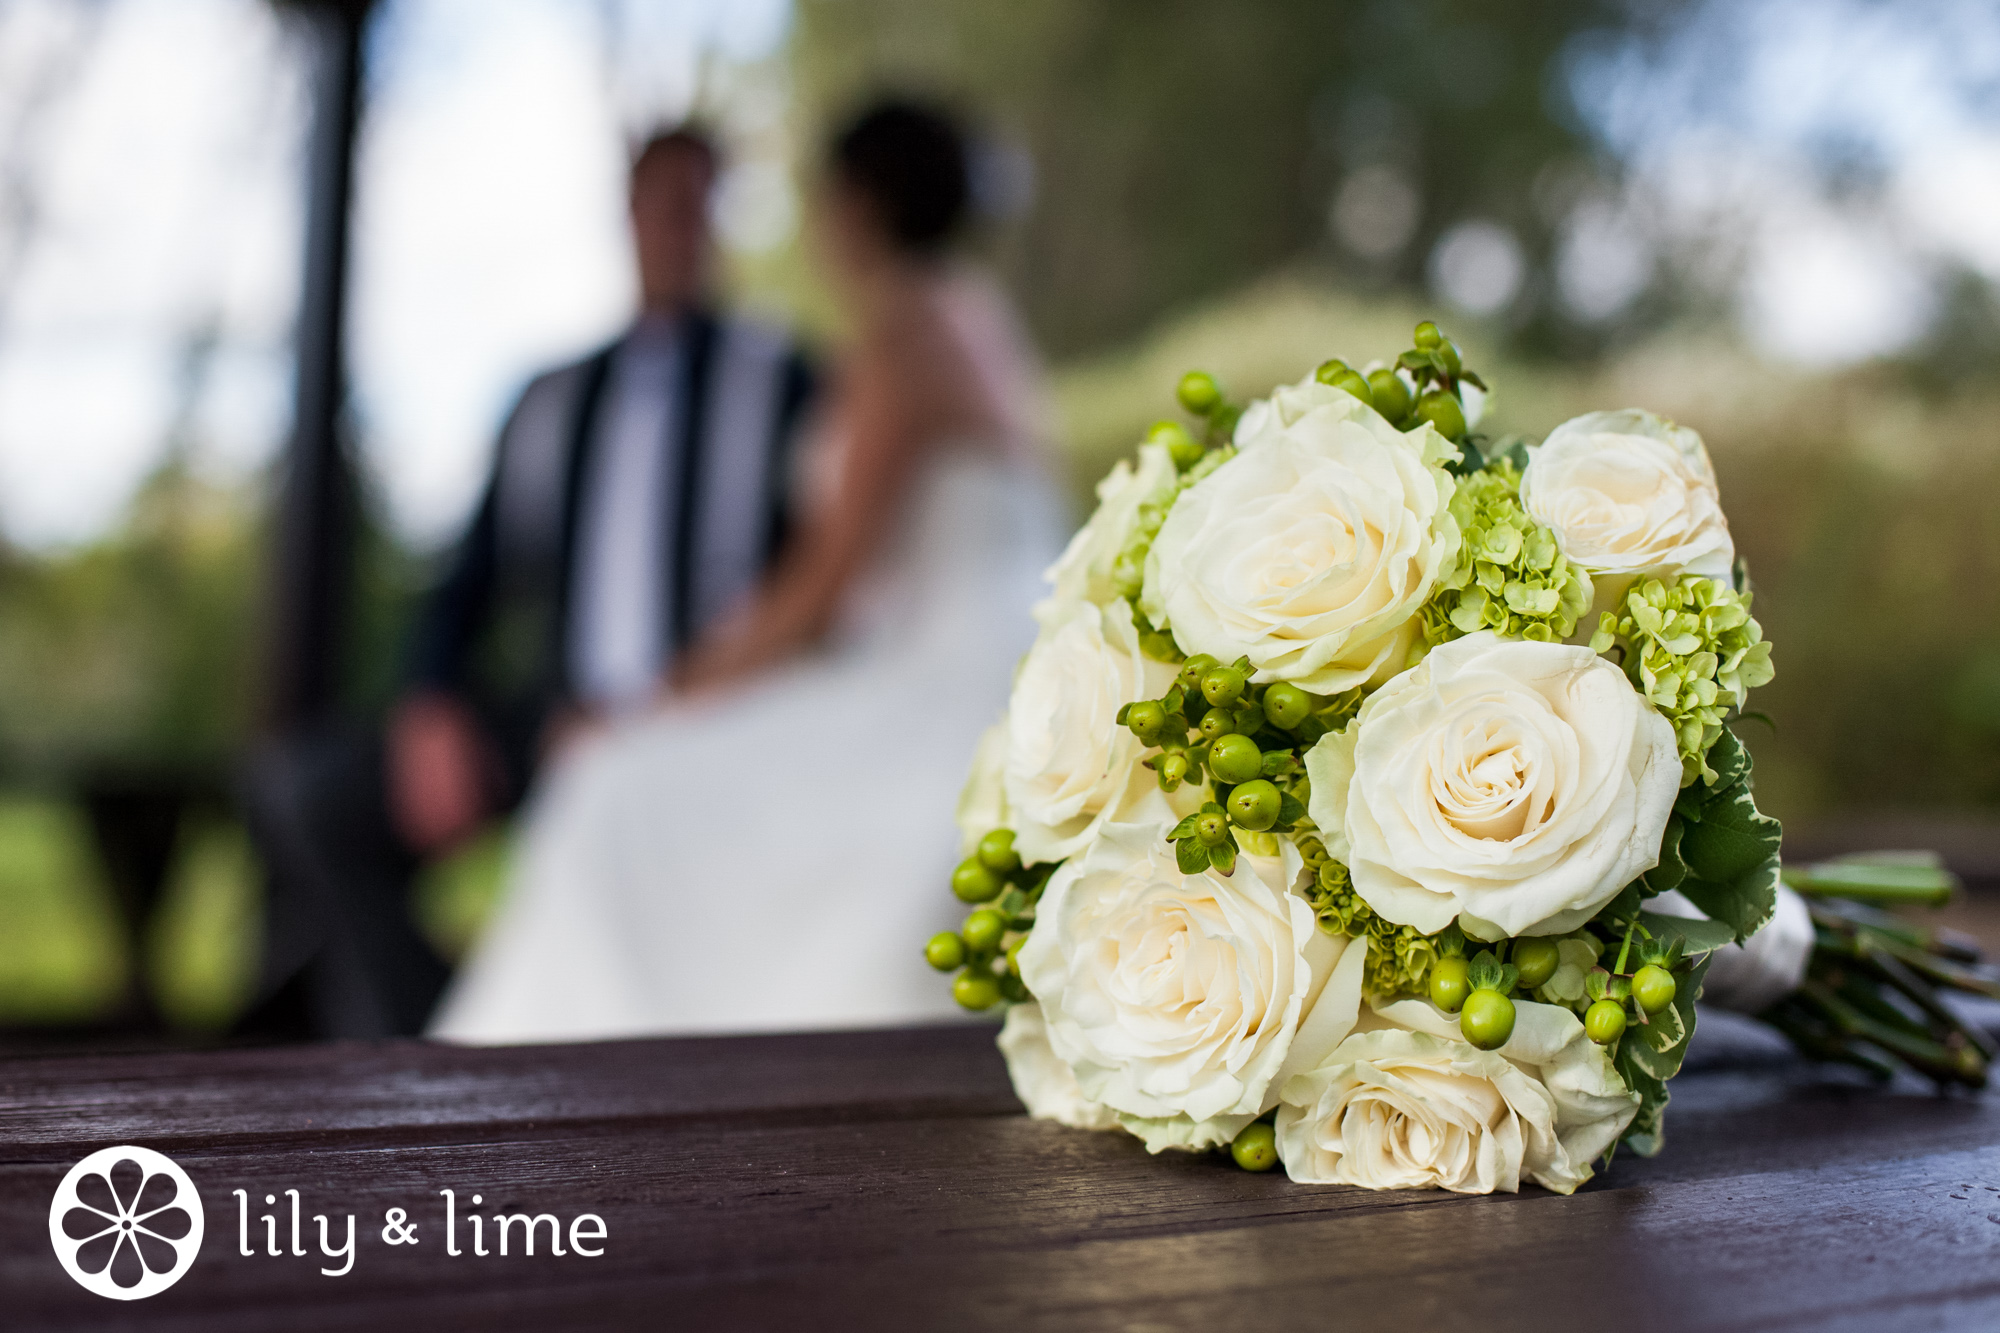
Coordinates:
(909, 161)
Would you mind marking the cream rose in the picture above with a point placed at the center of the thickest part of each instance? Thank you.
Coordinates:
(1406, 1103)
(1516, 786)
(1085, 572)
(1070, 767)
(1183, 1001)
(1628, 493)
(1044, 1083)
(1311, 551)
(982, 802)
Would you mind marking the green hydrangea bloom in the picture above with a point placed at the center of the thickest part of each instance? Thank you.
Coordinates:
(1128, 572)
(1510, 577)
(1399, 957)
(1694, 650)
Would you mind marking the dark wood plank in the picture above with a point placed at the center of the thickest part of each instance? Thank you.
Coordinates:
(397, 1088)
(885, 1180)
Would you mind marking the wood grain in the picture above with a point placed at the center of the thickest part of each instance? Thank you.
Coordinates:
(887, 1180)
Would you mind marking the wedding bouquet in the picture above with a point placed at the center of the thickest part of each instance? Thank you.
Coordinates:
(1368, 804)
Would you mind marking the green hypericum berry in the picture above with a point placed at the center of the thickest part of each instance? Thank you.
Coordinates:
(1211, 828)
(1442, 410)
(1256, 1148)
(1182, 447)
(945, 951)
(1173, 770)
(1216, 723)
(1195, 668)
(1234, 759)
(1428, 337)
(997, 854)
(1148, 720)
(1159, 645)
(1255, 805)
(1537, 960)
(1223, 686)
(1331, 370)
(1198, 392)
(1653, 987)
(1286, 705)
(976, 988)
(1391, 395)
(1448, 984)
(983, 930)
(974, 883)
(1604, 1022)
(1351, 382)
(1487, 1019)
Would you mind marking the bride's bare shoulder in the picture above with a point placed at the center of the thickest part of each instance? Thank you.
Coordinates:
(952, 351)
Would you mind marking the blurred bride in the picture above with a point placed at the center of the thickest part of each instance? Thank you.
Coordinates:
(772, 848)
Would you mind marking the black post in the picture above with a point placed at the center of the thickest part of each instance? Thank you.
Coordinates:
(314, 523)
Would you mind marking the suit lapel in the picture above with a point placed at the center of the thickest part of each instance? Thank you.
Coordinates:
(576, 475)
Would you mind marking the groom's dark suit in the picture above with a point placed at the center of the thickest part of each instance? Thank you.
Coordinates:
(635, 495)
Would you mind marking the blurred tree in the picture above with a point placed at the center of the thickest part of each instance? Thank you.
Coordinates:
(1181, 147)
(133, 651)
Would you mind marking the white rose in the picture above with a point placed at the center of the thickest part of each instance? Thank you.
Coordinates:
(1044, 1083)
(1182, 1001)
(1628, 493)
(1406, 1103)
(1516, 786)
(1085, 570)
(982, 802)
(1312, 550)
(1070, 767)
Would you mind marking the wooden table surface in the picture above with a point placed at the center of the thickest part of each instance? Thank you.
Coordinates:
(889, 1180)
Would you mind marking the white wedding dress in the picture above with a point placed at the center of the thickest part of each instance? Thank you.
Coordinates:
(777, 858)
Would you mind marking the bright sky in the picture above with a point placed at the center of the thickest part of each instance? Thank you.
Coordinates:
(155, 152)
(165, 170)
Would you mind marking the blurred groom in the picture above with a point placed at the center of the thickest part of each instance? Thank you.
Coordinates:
(635, 495)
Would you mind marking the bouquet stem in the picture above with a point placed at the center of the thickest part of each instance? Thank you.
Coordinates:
(1872, 997)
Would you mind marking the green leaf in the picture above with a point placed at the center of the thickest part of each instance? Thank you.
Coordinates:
(1731, 849)
(1290, 809)
(1190, 856)
(1732, 858)
(1659, 1034)
(1646, 1134)
(1729, 759)
(1664, 1042)
(1485, 972)
(1698, 935)
(1184, 829)
(1671, 870)
(1623, 907)
(1222, 857)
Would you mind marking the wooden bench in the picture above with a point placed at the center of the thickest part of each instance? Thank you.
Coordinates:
(889, 1180)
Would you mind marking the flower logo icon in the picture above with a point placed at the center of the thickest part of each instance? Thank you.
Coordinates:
(126, 1223)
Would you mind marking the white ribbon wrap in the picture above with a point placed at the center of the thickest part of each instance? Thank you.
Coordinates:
(1749, 978)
